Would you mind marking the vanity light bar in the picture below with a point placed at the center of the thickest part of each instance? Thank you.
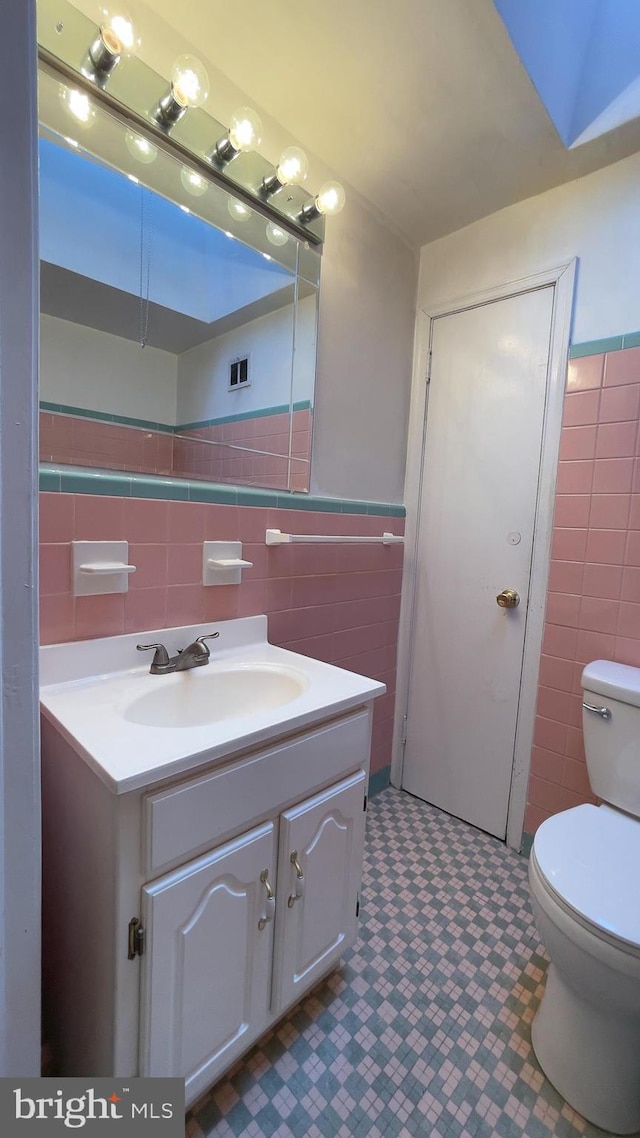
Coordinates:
(134, 91)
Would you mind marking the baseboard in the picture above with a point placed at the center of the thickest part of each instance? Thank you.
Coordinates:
(379, 780)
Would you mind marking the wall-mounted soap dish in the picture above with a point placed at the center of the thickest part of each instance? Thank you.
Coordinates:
(100, 567)
(222, 563)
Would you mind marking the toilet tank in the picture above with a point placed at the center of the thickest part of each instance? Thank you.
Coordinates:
(612, 742)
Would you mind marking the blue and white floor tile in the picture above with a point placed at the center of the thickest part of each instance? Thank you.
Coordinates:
(425, 1028)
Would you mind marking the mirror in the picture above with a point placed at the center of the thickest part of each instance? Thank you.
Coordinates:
(178, 325)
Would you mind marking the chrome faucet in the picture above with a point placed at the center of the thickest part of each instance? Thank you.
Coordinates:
(195, 655)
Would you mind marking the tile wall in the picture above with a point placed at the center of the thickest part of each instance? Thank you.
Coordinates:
(112, 446)
(252, 451)
(593, 604)
(338, 603)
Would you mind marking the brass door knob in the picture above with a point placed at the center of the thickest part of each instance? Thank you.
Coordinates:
(508, 599)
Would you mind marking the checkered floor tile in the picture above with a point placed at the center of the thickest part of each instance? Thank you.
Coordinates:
(424, 1030)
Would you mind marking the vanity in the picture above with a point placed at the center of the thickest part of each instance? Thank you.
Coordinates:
(203, 844)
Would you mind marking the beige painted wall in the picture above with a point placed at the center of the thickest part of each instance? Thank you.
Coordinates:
(595, 218)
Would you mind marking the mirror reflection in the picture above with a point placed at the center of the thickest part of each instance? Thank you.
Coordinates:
(169, 345)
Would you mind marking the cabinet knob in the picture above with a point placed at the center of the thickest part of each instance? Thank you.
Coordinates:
(299, 882)
(270, 901)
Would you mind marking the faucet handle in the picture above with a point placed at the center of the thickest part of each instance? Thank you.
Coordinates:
(201, 640)
(161, 662)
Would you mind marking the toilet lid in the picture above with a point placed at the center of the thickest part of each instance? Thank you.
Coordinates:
(590, 856)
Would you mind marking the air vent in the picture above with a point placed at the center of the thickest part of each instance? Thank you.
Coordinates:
(239, 373)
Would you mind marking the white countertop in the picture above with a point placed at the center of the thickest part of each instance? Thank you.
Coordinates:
(87, 686)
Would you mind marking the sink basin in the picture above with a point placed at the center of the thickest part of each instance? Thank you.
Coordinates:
(203, 696)
(134, 729)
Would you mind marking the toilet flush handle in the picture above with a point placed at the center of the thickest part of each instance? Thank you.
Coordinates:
(603, 712)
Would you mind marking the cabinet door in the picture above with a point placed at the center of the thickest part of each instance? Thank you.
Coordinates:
(324, 837)
(207, 964)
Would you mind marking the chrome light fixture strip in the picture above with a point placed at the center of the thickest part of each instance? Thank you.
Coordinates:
(134, 91)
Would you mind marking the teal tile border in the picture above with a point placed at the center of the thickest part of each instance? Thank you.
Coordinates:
(526, 844)
(76, 480)
(104, 417)
(611, 344)
(165, 428)
(259, 413)
(379, 780)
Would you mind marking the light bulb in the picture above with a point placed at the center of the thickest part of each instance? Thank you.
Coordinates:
(245, 129)
(330, 198)
(189, 81)
(293, 166)
(193, 183)
(276, 235)
(120, 29)
(189, 88)
(117, 36)
(245, 133)
(78, 105)
(140, 148)
(238, 210)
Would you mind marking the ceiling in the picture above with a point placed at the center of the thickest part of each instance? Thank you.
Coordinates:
(421, 106)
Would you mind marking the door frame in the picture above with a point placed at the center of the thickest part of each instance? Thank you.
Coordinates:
(562, 279)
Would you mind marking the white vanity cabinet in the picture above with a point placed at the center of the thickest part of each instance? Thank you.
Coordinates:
(211, 980)
(244, 877)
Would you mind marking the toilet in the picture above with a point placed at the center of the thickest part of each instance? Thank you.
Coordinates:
(584, 876)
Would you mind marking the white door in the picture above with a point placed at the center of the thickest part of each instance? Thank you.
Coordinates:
(319, 869)
(476, 519)
(207, 963)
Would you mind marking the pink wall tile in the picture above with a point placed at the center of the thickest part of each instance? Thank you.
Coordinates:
(609, 511)
(572, 511)
(594, 646)
(575, 477)
(634, 513)
(578, 443)
(602, 581)
(615, 440)
(55, 569)
(57, 619)
(596, 564)
(618, 404)
(99, 616)
(628, 624)
(581, 408)
(151, 565)
(563, 608)
(99, 519)
(627, 651)
(569, 544)
(145, 521)
(630, 587)
(612, 475)
(145, 609)
(546, 764)
(621, 367)
(606, 546)
(598, 614)
(557, 672)
(632, 548)
(57, 513)
(554, 704)
(565, 576)
(184, 564)
(559, 641)
(585, 373)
